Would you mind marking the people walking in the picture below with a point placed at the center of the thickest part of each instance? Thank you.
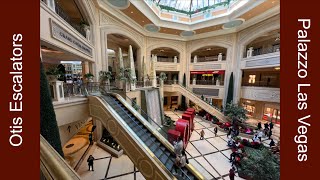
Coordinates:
(90, 162)
(90, 139)
(229, 132)
(259, 126)
(270, 134)
(231, 173)
(272, 143)
(215, 131)
(178, 146)
(180, 162)
(260, 134)
(266, 126)
(202, 134)
(271, 125)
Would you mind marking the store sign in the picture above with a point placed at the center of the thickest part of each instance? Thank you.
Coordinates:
(207, 72)
(64, 36)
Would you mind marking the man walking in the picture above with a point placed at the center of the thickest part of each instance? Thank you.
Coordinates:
(201, 134)
(215, 131)
(90, 162)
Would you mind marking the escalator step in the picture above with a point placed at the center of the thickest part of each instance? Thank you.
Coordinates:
(169, 164)
(154, 146)
(150, 141)
(158, 152)
(163, 158)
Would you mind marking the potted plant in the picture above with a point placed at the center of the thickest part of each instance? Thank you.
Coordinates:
(104, 77)
(125, 77)
(89, 77)
(162, 77)
(53, 73)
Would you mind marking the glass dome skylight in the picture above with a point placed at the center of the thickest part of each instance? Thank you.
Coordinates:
(191, 6)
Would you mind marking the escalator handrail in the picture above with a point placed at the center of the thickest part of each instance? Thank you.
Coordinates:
(181, 84)
(146, 114)
(217, 108)
(151, 133)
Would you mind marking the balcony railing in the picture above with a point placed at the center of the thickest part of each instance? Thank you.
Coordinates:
(140, 84)
(65, 16)
(261, 51)
(208, 59)
(207, 82)
(271, 84)
(74, 90)
(161, 59)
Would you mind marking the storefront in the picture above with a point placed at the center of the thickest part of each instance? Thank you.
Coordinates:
(262, 110)
(207, 77)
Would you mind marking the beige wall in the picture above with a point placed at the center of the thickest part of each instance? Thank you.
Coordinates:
(71, 111)
(66, 135)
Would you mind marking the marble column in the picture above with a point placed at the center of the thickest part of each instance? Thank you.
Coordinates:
(145, 75)
(133, 70)
(121, 66)
(153, 76)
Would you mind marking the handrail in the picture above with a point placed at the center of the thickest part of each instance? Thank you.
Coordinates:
(137, 125)
(202, 101)
(146, 115)
(196, 95)
(52, 165)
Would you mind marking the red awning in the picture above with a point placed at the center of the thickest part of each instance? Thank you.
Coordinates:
(208, 72)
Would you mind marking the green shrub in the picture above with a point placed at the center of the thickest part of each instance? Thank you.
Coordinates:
(260, 164)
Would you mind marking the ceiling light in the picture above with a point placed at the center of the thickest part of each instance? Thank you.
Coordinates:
(161, 50)
(277, 68)
(131, 12)
(208, 49)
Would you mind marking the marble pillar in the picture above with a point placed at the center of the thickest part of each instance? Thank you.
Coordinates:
(121, 66)
(153, 76)
(133, 70)
(57, 89)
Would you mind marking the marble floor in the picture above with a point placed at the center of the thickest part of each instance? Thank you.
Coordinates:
(108, 167)
(209, 156)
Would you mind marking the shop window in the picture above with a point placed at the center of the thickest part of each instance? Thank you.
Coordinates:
(252, 79)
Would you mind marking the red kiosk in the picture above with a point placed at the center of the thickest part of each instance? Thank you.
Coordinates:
(183, 127)
(173, 135)
(190, 120)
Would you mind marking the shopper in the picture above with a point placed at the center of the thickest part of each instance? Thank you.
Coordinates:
(260, 134)
(229, 132)
(90, 139)
(215, 131)
(271, 125)
(272, 143)
(180, 162)
(270, 134)
(231, 173)
(266, 126)
(259, 126)
(178, 146)
(202, 134)
(90, 162)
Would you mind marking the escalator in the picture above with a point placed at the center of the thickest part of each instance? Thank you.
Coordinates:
(149, 138)
(201, 103)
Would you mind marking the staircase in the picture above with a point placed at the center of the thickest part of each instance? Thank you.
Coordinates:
(204, 105)
(153, 142)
